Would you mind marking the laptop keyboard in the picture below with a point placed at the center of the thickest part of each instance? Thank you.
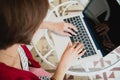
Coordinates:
(81, 36)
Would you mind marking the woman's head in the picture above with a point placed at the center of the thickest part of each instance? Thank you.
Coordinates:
(19, 19)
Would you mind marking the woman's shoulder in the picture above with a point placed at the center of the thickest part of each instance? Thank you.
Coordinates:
(13, 73)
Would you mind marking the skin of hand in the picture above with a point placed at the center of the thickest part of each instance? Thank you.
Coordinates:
(71, 54)
(61, 28)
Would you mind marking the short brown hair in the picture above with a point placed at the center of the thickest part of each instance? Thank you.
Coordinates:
(19, 19)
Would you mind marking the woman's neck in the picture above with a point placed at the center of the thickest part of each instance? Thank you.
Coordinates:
(10, 56)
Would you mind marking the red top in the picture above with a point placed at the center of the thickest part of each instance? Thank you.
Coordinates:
(11, 73)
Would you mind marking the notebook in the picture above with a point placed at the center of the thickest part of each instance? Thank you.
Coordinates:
(97, 15)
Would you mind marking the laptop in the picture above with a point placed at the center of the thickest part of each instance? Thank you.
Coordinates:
(98, 29)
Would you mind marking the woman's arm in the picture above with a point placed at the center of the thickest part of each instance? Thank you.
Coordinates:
(60, 28)
(71, 54)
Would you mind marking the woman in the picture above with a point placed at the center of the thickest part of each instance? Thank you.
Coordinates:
(19, 21)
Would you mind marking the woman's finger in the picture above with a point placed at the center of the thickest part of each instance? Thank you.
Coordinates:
(67, 34)
(70, 31)
(81, 53)
(74, 28)
(80, 46)
(75, 44)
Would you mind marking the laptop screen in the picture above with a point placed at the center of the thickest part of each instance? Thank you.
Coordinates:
(104, 17)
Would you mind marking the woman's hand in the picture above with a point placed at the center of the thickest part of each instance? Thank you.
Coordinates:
(61, 28)
(71, 54)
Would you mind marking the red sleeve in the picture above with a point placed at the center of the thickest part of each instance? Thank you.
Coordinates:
(30, 58)
(10, 73)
